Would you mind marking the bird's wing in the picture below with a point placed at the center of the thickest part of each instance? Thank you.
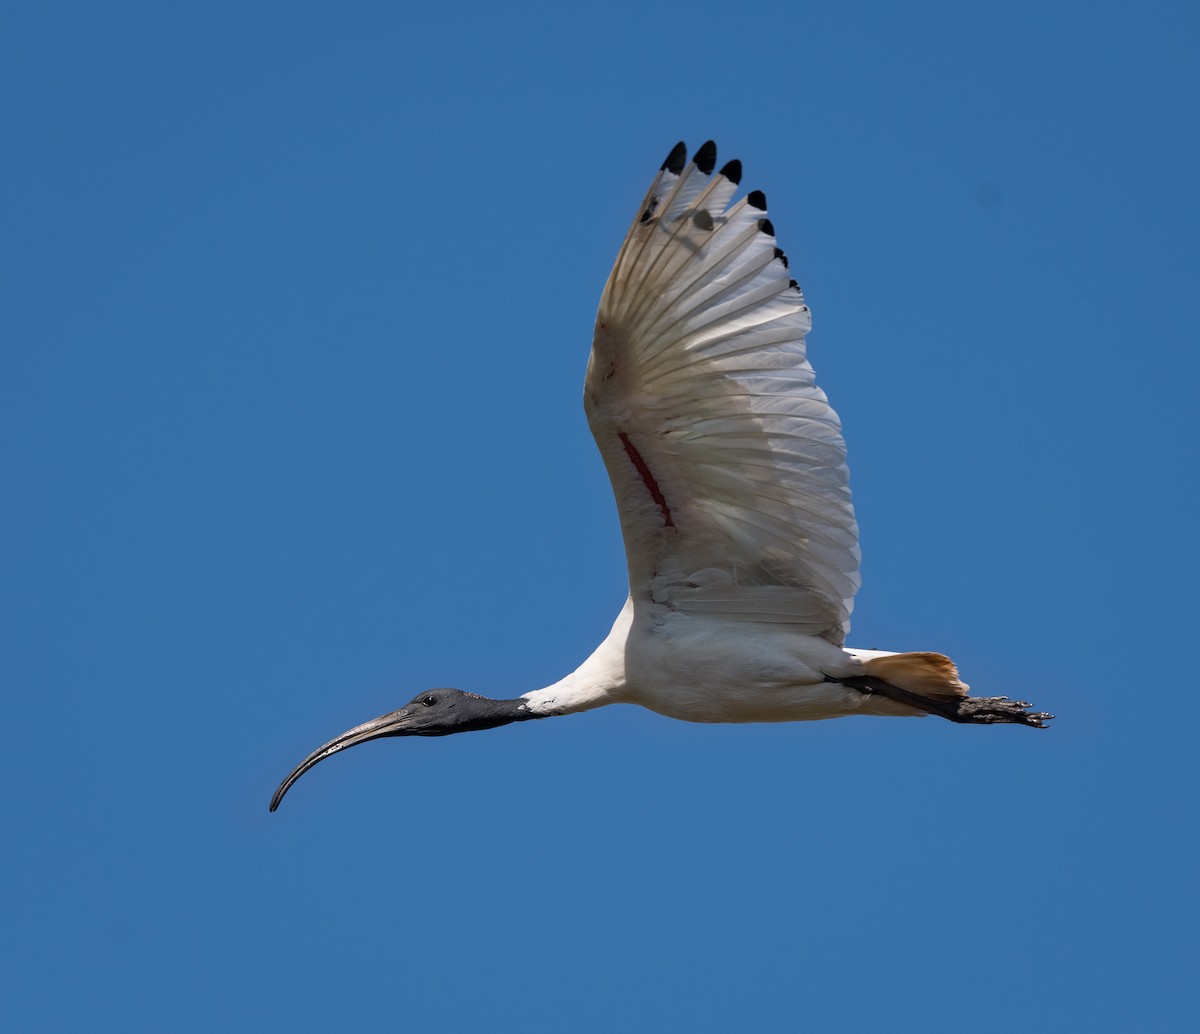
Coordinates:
(726, 459)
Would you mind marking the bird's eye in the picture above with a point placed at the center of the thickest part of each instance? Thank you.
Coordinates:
(429, 701)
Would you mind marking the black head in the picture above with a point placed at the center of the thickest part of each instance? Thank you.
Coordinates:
(436, 712)
(439, 712)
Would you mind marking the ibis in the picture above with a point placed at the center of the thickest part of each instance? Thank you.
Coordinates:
(729, 470)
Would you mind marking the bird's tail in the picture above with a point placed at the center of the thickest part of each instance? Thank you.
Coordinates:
(926, 674)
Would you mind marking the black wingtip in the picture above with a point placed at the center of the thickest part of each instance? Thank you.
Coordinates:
(732, 171)
(767, 227)
(676, 159)
(706, 157)
(757, 199)
(782, 257)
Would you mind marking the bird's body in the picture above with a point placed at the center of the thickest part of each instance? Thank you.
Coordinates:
(699, 668)
(728, 467)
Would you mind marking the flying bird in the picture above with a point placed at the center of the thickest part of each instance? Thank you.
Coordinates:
(729, 471)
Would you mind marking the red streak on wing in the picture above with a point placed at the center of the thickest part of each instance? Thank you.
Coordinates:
(647, 478)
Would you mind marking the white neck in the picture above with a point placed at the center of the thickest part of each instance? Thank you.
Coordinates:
(597, 681)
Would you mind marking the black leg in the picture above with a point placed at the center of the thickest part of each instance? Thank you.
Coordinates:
(967, 710)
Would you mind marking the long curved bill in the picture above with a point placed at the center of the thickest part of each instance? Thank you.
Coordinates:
(394, 724)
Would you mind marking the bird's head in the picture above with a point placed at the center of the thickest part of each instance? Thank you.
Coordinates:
(436, 712)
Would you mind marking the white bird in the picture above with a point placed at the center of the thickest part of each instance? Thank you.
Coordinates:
(729, 471)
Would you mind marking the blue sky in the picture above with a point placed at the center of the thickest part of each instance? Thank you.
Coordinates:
(297, 300)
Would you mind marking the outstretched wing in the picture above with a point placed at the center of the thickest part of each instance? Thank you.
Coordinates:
(726, 459)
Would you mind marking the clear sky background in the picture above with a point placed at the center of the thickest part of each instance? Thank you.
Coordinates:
(296, 304)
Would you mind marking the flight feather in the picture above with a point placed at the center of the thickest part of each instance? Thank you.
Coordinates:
(727, 461)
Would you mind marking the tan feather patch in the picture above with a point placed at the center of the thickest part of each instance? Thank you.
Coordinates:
(929, 674)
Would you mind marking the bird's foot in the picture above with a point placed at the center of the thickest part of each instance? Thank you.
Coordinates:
(966, 710)
(991, 710)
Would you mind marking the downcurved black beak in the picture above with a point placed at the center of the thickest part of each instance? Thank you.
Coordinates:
(394, 724)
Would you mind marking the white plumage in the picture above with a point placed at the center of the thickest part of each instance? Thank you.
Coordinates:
(729, 471)
(699, 361)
